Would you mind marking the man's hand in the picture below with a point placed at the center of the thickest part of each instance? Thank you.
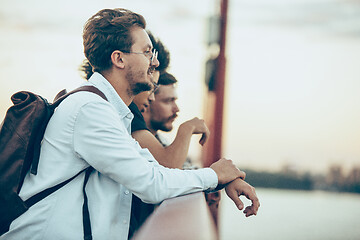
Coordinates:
(226, 171)
(239, 187)
(198, 126)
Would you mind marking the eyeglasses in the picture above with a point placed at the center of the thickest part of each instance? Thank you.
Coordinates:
(149, 54)
(156, 87)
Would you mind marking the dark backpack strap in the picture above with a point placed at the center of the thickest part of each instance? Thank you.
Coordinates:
(62, 95)
(43, 194)
(57, 100)
(86, 214)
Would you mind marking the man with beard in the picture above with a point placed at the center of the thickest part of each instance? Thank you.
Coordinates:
(88, 132)
(162, 113)
(164, 110)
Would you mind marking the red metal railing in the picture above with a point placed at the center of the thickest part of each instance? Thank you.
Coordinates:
(181, 218)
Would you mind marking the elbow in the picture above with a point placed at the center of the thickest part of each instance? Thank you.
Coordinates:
(153, 192)
(168, 161)
(151, 198)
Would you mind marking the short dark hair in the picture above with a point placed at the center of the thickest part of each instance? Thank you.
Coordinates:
(166, 79)
(163, 52)
(109, 30)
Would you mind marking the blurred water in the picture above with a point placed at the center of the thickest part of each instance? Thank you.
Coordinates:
(287, 214)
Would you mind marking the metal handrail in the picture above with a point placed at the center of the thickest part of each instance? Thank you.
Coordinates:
(186, 217)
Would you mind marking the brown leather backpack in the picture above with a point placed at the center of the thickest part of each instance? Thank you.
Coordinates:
(21, 134)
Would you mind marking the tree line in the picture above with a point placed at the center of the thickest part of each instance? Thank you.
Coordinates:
(334, 180)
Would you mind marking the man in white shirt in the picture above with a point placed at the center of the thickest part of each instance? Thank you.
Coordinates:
(86, 130)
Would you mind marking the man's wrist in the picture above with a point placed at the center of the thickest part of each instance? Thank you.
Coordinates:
(187, 128)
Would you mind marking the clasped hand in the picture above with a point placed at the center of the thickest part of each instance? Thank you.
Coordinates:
(233, 180)
(239, 187)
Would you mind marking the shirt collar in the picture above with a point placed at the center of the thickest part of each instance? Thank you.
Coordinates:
(104, 86)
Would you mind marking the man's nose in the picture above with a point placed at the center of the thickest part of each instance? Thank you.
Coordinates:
(155, 62)
(176, 108)
(151, 97)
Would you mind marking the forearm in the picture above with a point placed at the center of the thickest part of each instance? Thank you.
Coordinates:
(172, 156)
(177, 151)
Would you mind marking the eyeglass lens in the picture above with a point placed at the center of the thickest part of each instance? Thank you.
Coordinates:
(154, 55)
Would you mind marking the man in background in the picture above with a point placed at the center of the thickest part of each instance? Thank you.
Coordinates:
(160, 117)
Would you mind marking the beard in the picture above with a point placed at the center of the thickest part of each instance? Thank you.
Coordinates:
(160, 126)
(165, 125)
(135, 86)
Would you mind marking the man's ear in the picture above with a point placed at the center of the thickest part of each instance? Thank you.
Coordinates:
(117, 59)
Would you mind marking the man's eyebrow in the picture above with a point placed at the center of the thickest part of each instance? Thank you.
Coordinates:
(170, 99)
(148, 46)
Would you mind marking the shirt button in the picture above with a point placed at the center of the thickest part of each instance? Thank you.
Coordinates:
(127, 192)
(125, 222)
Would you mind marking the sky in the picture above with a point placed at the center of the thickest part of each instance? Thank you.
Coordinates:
(293, 74)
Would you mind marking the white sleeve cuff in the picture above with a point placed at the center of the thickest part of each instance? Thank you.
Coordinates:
(210, 180)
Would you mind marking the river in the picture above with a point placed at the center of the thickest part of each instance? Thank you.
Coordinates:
(288, 214)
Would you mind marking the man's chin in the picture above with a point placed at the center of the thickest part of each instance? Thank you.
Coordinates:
(144, 109)
(167, 128)
(161, 126)
(141, 87)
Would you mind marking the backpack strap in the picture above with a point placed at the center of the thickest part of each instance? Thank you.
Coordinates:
(85, 209)
(43, 194)
(63, 94)
(86, 216)
(58, 99)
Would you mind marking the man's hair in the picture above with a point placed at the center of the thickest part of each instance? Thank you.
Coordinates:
(163, 53)
(109, 30)
(166, 79)
(86, 69)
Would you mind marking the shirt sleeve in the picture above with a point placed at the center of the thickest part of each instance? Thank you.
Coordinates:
(138, 122)
(102, 140)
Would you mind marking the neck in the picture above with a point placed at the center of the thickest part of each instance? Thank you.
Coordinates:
(120, 85)
(148, 124)
(153, 131)
(146, 116)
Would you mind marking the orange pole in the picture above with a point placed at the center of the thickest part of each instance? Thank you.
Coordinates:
(215, 100)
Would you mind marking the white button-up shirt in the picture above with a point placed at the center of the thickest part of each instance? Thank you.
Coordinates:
(87, 130)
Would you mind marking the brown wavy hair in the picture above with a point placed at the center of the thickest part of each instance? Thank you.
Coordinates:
(109, 30)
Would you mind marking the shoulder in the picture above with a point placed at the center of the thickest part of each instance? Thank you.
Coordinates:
(135, 110)
(82, 99)
(84, 104)
(138, 123)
